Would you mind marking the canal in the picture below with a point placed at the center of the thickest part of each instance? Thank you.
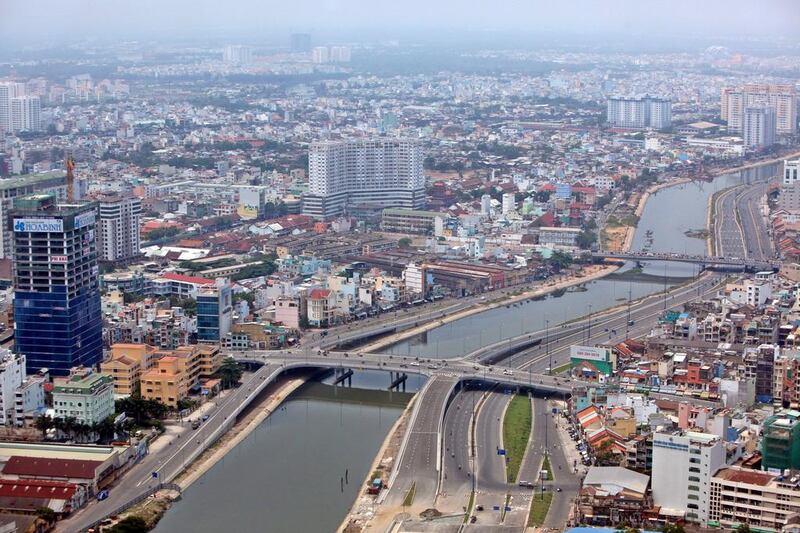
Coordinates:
(287, 475)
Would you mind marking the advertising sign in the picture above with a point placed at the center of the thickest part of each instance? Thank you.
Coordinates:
(84, 219)
(38, 225)
(588, 353)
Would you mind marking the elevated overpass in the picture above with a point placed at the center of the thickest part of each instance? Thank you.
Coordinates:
(705, 261)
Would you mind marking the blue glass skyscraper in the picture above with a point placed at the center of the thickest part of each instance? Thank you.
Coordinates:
(57, 318)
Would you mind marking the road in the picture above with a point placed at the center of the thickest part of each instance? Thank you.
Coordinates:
(418, 465)
(457, 464)
(728, 236)
(754, 228)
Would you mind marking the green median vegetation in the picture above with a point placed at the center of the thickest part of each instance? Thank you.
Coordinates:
(539, 507)
(409, 499)
(516, 432)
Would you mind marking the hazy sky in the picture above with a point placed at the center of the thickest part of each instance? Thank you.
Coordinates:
(48, 19)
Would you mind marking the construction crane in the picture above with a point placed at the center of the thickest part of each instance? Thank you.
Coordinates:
(69, 163)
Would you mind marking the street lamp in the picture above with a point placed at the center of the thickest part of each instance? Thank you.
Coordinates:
(547, 343)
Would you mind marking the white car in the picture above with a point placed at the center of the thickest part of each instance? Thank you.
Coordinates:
(414, 363)
(508, 372)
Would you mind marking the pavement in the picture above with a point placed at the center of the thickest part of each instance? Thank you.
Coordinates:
(457, 478)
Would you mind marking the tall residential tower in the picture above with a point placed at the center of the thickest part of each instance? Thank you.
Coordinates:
(369, 174)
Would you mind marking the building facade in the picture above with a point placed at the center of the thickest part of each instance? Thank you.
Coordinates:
(118, 233)
(12, 374)
(26, 113)
(364, 174)
(639, 112)
(86, 396)
(683, 464)
(790, 186)
(54, 183)
(214, 312)
(758, 126)
(57, 312)
(782, 98)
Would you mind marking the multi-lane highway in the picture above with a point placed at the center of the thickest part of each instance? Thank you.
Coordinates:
(740, 230)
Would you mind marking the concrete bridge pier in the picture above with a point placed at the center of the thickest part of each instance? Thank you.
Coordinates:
(397, 380)
(343, 376)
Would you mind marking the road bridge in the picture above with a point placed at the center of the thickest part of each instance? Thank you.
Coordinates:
(706, 261)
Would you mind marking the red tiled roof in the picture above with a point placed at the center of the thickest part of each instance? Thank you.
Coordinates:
(319, 294)
(38, 466)
(36, 488)
(188, 279)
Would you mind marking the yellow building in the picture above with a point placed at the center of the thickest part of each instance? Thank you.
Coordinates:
(126, 365)
(178, 372)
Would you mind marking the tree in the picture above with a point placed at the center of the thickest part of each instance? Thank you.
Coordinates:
(405, 242)
(559, 260)
(229, 373)
(743, 528)
(43, 423)
(673, 528)
(586, 239)
(130, 524)
(47, 514)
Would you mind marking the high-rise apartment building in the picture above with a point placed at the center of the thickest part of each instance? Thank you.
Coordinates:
(237, 54)
(365, 174)
(783, 98)
(320, 55)
(12, 374)
(118, 236)
(639, 112)
(758, 128)
(57, 317)
(8, 91)
(26, 113)
(683, 464)
(300, 42)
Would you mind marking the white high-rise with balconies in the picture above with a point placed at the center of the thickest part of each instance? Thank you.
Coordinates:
(369, 174)
(639, 112)
(759, 127)
(26, 113)
(120, 221)
(8, 91)
(783, 98)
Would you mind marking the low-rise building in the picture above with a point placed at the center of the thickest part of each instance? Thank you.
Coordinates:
(177, 373)
(764, 501)
(126, 364)
(612, 495)
(86, 396)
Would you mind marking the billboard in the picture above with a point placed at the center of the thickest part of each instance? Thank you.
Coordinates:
(84, 219)
(39, 225)
(589, 353)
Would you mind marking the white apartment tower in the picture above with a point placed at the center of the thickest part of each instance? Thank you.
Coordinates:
(370, 174)
(683, 465)
(783, 98)
(8, 91)
(120, 223)
(759, 126)
(26, 113)
(639, 112)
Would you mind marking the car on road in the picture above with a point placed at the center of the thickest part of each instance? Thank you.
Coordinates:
(526, 484)
(196, 424)
(205, 417)
(479, 507)
(508, 372)
(414, 363)
(102, 495)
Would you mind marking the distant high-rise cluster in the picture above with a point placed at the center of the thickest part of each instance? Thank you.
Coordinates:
(372, 174)
(237, 54)
(18, 111)
(330, 54)
(300, 42)
(759, 126)
(640, 112)
(735, 101)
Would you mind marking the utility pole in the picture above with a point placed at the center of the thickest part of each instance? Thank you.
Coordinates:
(628, 322)
(589, 329)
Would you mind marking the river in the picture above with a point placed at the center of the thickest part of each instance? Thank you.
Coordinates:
(286, 475)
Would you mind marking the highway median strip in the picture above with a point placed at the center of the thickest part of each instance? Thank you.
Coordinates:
(539, 508)
(409, 499)
(516, 433)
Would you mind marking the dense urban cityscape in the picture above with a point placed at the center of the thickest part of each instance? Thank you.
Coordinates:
(381, 277)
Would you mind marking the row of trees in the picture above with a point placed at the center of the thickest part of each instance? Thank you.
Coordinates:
(69, 427)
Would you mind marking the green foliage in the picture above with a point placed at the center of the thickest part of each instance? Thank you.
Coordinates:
(254, 270)
(586, 239)
(405, 242)
(162, 233)
(189, 305)
(229, 373)
(559, 260)
(142, 411)
(130, 524)
(248, 297)
(47, 514)
(516, 432)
